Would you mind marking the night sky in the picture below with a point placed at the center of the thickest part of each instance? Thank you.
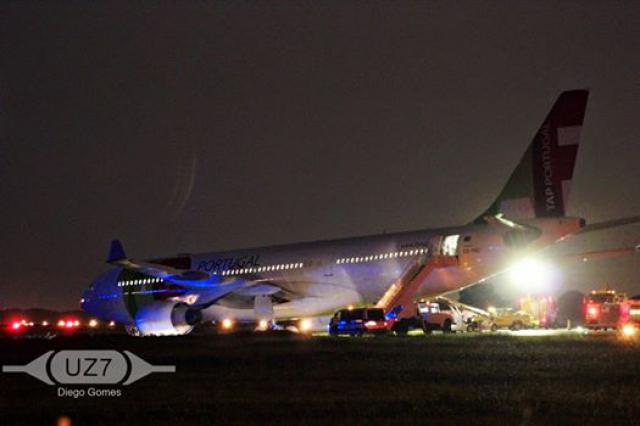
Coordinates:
(199, 126)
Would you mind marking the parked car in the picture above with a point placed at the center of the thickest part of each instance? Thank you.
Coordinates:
(356, 322)
(440, 315)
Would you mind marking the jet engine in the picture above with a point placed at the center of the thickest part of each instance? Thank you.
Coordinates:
(166, 319)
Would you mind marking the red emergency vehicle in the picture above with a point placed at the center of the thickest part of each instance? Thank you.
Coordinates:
(630, 316)
(604, 309)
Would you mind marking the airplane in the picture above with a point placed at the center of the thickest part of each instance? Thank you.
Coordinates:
(170, 296)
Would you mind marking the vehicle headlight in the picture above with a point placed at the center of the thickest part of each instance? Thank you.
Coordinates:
(305, 325)
(629, 330)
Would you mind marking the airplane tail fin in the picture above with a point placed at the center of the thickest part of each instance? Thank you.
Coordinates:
(539, 186)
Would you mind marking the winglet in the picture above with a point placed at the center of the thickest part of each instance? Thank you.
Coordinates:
(116, 252)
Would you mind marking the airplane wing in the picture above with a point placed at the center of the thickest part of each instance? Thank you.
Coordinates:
(187, 277)
(209, 288)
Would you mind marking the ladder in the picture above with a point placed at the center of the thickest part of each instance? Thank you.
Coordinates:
(398, 300)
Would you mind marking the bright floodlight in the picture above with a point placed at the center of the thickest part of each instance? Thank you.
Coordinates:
(530, 274)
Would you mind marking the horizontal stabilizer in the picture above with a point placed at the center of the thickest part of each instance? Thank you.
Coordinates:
(595, 255)
(599, 226)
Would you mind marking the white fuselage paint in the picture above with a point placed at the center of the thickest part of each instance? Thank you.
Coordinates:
(329, 285)
(325, 279)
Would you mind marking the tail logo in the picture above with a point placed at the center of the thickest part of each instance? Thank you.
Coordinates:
(547, 165)
(556, 158)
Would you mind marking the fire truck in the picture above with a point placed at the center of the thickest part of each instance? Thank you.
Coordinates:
(604, 309)
(630, 316)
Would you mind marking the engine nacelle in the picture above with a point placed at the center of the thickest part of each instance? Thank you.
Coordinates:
(166, 319)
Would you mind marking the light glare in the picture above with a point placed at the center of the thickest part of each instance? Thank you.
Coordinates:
(305, 325)
(629, 330)
(227, 324)
(530, 274)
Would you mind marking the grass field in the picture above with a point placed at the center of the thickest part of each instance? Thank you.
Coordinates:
(285, 379)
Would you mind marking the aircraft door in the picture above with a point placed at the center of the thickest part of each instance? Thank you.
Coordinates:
(447, 245)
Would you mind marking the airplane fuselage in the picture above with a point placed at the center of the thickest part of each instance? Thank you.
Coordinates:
(315, 278)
